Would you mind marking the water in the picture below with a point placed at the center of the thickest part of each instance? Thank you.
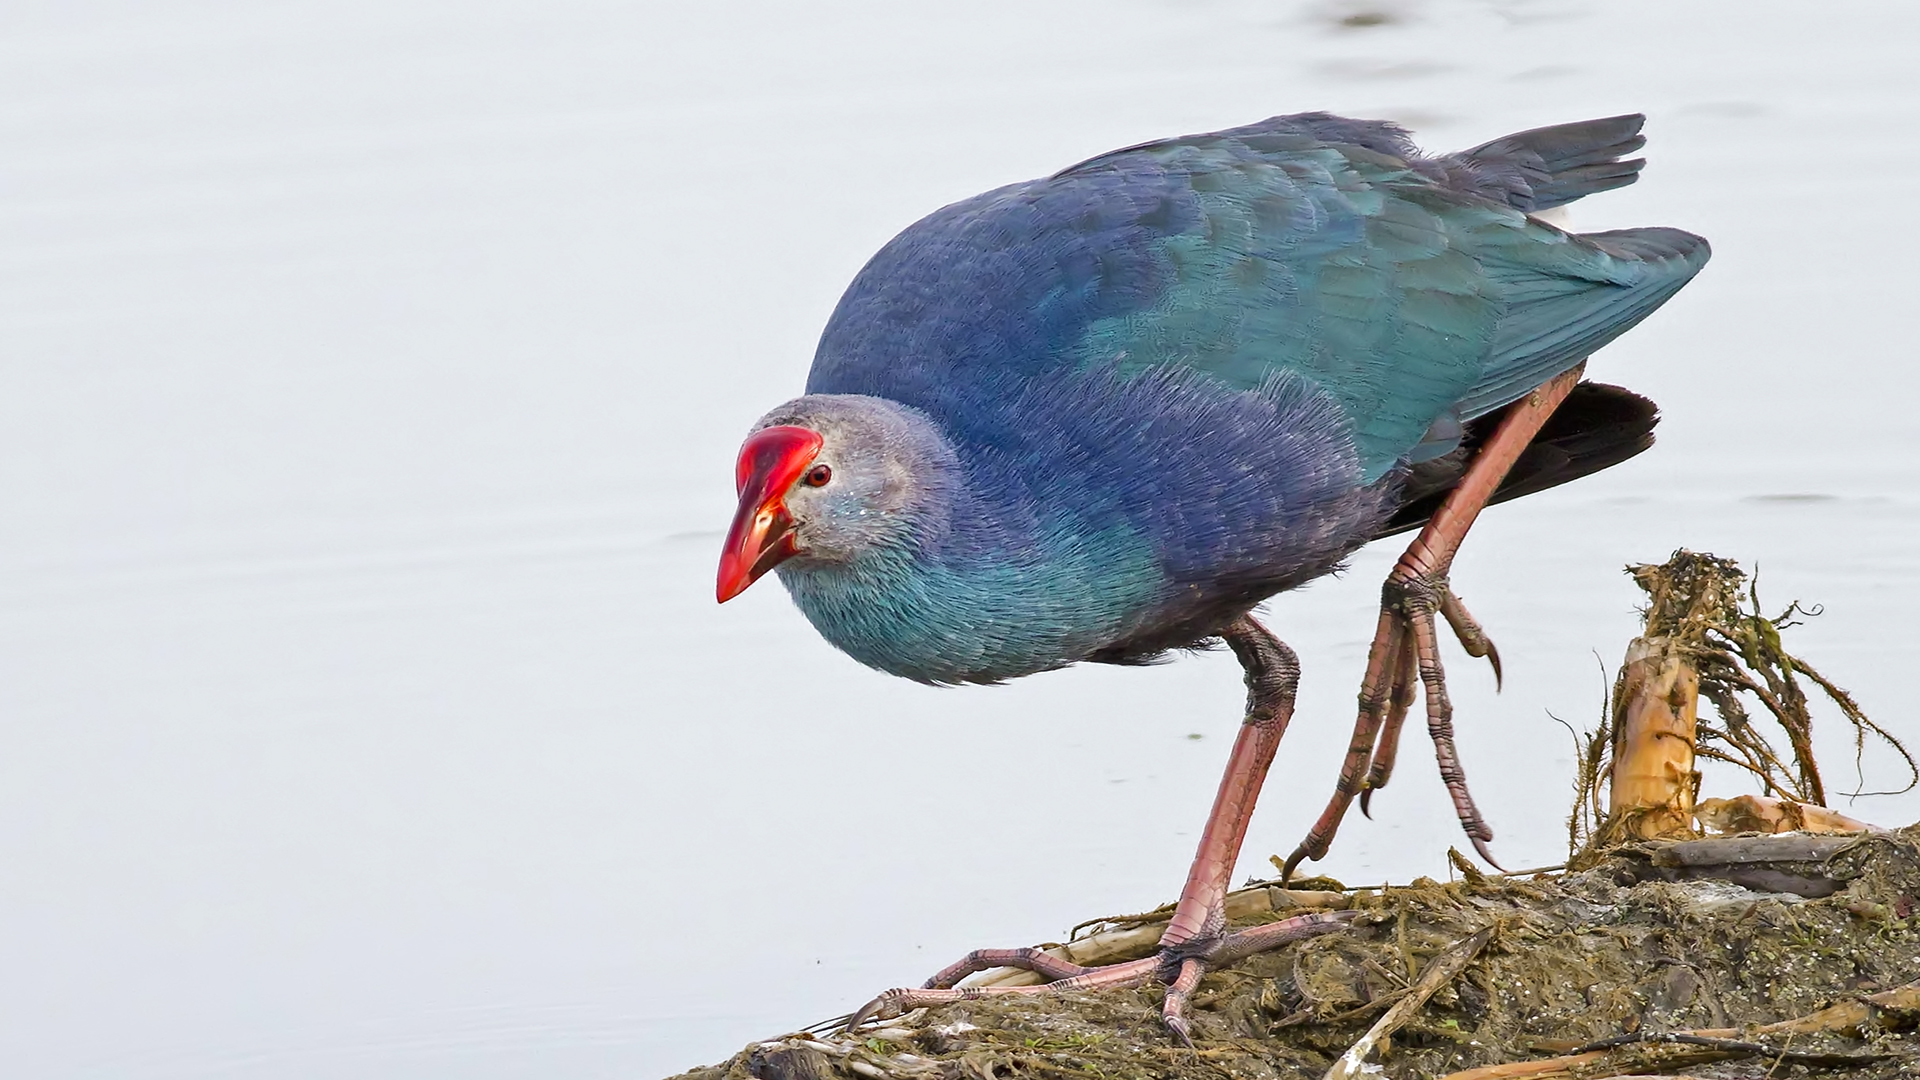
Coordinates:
(369, 381)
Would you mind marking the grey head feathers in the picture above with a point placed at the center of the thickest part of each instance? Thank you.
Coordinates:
(893, 478)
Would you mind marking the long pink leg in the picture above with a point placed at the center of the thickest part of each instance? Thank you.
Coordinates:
(1414, 593)
(1273, 672)
(1195, 939)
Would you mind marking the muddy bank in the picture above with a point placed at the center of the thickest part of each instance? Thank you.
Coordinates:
(1652, 940)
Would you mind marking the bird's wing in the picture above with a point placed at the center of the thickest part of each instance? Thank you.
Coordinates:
(1309, 244)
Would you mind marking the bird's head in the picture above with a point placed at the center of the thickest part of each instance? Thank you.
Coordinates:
(829, 477)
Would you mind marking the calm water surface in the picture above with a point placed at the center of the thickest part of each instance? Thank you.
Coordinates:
(370, 375)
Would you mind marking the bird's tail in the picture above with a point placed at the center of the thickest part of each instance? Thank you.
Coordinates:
(1552, 166)
(1598, 426)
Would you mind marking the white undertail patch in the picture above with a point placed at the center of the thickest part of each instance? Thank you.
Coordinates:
(1560, 217)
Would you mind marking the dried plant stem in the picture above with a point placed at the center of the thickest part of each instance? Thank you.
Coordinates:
(1759, 814)
(1440, 971)
(1706, 638)
(1654, 780)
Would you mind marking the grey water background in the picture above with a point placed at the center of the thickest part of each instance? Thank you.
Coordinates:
(370, 375)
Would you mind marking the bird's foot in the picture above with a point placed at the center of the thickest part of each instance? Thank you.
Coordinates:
(1405, 648)
(1180, 967)
(1403, 661)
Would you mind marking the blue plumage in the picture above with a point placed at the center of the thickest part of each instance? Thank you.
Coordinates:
(1170, 381)
(1050, 536)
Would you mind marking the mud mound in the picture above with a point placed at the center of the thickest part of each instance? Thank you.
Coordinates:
(1609, 962)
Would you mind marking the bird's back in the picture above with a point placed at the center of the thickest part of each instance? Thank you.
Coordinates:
(1211, 354)
(1415, 292)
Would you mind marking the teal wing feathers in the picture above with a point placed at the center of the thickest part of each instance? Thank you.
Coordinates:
(1413, 304)
(1565, 296)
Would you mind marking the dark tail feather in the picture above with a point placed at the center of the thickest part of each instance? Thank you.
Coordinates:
(1552, 166)
(1596, 427)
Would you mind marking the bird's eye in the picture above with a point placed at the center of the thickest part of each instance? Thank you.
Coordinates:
(818, 476)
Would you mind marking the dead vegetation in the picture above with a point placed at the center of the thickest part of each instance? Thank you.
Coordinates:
(1706, 637)
(1659, 952)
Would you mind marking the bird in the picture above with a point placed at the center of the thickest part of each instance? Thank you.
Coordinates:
(1102, 415)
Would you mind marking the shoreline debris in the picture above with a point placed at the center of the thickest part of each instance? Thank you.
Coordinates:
(1706, 637)
(1649, 960)
(1760, 814)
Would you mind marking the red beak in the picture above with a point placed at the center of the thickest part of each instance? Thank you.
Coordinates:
(761, 538)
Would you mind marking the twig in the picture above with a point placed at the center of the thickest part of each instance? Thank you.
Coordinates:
(1440, 971)
(1736, 850)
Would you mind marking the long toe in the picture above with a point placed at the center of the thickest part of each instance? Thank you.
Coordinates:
(1472, 637)
(1433, 679)
(1038, 961)
(1186, 963)
(1406, 685)
(1415, 592)
(1404, 664)
(1380, 695)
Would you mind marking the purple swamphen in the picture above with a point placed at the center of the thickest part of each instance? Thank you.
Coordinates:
(1103, 414)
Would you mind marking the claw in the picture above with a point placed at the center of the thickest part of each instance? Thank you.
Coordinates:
(1173, 1007)
(831, 1024)
(1480, 846)
(1293, 861)
(1181, 1032)
(885, 1007)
